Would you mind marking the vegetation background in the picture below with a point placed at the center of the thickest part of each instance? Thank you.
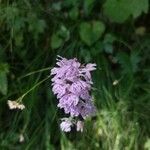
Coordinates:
(114, 34)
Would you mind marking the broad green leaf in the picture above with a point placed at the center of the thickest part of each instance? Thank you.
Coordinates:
(3, 78)
(98, 28)
(60, 37)
(85, 33)
(41, 25)
(64, 33)
(138, 6)
(56, 41)
(108, 48)
(37, 25)
(97, 48)
(120, 10)
(108, 43)
(88, 6)
(91, 32)
(117, 11)
(109, 38)
(124, 61)
(86, 55)
(130, 62)
(74, 13)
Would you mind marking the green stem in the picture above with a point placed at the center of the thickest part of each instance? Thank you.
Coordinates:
(32, 88)
(33, 72)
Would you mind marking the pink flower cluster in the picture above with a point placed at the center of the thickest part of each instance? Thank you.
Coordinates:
(72, 84)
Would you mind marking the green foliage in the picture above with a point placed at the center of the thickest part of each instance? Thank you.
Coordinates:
(88, 6)
(120, 10)
(3, 78)
(33, 33)
(56, 41)
(128, 63)
(61, 36)
(91, 32)
(138, 6)
(147, 144)
(74, 13)
(36, 26)
(108, 43)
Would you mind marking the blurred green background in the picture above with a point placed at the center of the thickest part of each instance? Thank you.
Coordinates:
(114, 34)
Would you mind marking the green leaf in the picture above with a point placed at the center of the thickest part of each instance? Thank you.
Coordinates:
(3, 78)
(56, 41)
(85, 33)
(98, 28)
(120, 10)
(124, 61)
(74, 13)
(61, 36)
(138, 6)
(19, 39)
(108, 48)
(108, 43)
(88, 6)
(64, 33)
(129, 63)
(86, 55)
(117, 11)
(109, 38)
(91, 32)
(135, 59)
(97, 48)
